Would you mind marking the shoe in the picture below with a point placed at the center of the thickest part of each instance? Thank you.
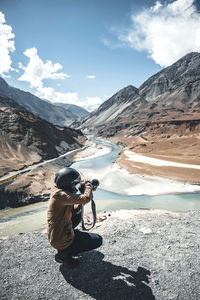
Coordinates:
(59, 258)
(67, 260)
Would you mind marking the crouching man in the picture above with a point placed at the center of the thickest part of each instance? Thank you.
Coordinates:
(64, 214)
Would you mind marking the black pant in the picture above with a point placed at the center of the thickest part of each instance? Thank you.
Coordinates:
(83, 241)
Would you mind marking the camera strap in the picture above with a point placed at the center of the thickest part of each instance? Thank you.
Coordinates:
(93, 207)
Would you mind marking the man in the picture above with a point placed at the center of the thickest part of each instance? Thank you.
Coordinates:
(64, 214)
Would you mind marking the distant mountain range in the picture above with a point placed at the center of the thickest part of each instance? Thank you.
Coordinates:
(58, 114)
(75, 110)
(171, 94)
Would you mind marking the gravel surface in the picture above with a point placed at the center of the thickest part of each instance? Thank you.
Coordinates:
(145, 255)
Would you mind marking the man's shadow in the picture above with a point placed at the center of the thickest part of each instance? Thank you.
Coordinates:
(103, 280)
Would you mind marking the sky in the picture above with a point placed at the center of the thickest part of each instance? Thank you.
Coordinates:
(84, 51)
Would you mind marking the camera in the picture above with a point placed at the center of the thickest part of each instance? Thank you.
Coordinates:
(94, 183)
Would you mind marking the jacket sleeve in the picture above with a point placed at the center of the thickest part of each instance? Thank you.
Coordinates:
(71, 199)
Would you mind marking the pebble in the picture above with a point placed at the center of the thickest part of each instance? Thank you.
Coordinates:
(145, 230)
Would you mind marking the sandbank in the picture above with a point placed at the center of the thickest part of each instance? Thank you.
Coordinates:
(132, 156)
(119, 179)
(92, 150)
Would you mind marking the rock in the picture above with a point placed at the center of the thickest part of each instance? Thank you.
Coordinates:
(129, 266)
(145, 230)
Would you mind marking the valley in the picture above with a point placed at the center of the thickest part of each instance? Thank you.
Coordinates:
(160, 119)
(100, 125)
(118, 189)
(156, 128)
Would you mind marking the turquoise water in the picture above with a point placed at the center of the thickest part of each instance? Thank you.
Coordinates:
(33, 217)
(100, 162)
(174, 202)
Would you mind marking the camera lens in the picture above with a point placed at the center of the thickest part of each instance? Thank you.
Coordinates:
(95, 182)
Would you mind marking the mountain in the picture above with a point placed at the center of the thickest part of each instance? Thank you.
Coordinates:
(62, 115)
(26, 139)
(172, 94)
(180, 79)
(112, 109)
(159, 120)
(77, 111)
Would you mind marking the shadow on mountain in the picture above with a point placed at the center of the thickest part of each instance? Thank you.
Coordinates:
(104, 280)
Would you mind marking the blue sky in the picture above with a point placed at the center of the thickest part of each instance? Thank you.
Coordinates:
(83, 51)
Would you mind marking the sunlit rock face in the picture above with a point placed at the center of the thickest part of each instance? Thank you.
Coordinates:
(172, 94)
(26, 138)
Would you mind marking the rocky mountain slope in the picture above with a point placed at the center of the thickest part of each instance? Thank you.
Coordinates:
(26, 138)
(160, 119)
(56, 114)
(171, 94)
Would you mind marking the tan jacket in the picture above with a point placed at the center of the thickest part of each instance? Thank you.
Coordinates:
(59, 226)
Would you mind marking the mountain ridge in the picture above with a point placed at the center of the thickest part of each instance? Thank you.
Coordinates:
(123, 98)
(26, 138)
(170, 93)
(53, 113)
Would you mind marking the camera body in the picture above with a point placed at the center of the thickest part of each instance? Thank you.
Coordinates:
(94, 183)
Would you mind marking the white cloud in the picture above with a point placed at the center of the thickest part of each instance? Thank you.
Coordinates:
(50, 94)
(105, 41)
(7, 45)
(167, 31)
(156, 6)
(6, 76)
(36, 70)
(91, 76)
(112, 43)
(20, 66)
(92, 103)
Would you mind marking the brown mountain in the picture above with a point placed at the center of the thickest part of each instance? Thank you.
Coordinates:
(171, 94)
(26, 139)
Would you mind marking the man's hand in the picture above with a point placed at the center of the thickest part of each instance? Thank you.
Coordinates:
(83, 184)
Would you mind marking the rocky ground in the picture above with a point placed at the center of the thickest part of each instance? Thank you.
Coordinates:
(145, 255)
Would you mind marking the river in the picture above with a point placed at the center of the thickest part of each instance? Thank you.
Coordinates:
(33, 217)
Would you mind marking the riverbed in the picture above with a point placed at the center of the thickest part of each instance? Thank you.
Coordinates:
(117, 190)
